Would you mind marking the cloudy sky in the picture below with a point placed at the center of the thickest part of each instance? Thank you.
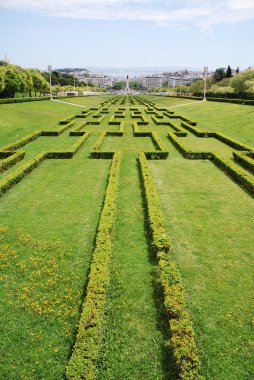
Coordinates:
(121, 33)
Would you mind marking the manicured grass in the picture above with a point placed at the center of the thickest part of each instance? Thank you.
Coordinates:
(48, 223)
(136, 339)
(213, 248)
(51, 219)
(19, 120)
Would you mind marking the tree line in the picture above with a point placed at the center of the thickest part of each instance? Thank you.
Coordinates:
(27, 82)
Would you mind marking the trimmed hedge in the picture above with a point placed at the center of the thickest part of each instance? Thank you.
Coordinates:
(196, 131)
(232, 142)
(185, 151)
(67, 120)
(120, 132)
(77, 131)
(10, 159)
(82, 364)
(21, 142)
(96, 121)
(69, 153)
(161, 153)
(27, 168)
(23, 100)
(219, 136)
(239, 176)
(20, 173)
(59, 131)
(182, 334)
(245, 160)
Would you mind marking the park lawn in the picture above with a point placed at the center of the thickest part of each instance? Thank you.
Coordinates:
(213, 247)
(48, 222)
(47, 226)
(21, 119)
(234, 120)
(89, 101)
(135, 343)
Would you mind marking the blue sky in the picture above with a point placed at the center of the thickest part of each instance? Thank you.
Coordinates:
(120, 33)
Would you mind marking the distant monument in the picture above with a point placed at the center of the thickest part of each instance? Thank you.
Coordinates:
(127, 88)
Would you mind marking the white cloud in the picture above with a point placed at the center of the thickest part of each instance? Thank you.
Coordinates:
(178, 13)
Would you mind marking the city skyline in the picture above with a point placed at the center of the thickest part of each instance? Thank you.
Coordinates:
(125, 34)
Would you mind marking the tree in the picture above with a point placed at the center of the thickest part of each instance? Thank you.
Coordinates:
(13, 82)
(219, 74)
(237, 70)
(224, 90)
(229, 72)
(2, 81)
(119, 85)
(39, 82)
(240, 81)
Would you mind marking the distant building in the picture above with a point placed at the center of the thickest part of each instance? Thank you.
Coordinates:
(153, 81)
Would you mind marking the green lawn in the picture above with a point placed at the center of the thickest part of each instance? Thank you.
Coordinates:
(48, 223)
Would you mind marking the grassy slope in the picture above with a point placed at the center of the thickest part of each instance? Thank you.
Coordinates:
(213, 247)
(49, 249)
(45, 260)
(135, 343)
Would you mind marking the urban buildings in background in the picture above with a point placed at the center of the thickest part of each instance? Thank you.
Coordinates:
(167, 79)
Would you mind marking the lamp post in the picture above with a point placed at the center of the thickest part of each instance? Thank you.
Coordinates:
(205, 72)
(50, 84)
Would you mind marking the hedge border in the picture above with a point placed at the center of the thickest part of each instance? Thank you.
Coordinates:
(161, 153)
(244, 160)
(219, 136)
(82, 364)
(11, 159)
(183, 343)
(239, 176)
(21, 142)
(28, 167)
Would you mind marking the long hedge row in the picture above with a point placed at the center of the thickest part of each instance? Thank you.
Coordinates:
(21, 142)
(245, 160)
(239, 176)
(58, 131)
(161, 153)
(182, 333)
(217, 135)
(28, 167)
(10, 159)
(185, 151)
(82, 364)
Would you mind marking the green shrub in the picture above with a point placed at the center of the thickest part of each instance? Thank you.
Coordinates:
(82, 364)
(67, 120)
(10, 159)
(244, 160)
(182, 334)
(21, 142)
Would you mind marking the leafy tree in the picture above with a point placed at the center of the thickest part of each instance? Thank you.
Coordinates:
(39, 82)
(217, 89)
(237, 70)
(136, 85)
(2, 80)
(240, 81)
(219, 74)
(119, 85)
(13, 82)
